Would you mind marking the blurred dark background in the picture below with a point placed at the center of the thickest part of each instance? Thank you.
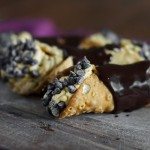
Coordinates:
(130, 18)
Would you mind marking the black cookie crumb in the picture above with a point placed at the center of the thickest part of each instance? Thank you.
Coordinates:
(56, 91)
(61, 105)
(53, 108)
(80, 72)
(71, 88)
(16, 59)
(75, 77)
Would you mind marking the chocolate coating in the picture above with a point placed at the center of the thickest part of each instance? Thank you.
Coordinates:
(129, 84)
(70, 47)
(96, 56)
(70, 44)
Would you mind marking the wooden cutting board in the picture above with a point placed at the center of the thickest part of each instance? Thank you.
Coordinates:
(24, 124)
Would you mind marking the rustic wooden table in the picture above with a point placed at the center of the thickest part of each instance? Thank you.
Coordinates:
(24, 124)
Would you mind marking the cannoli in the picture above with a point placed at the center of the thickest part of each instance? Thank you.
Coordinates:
(85, 88)
(78, 92)
(122, 51)
(26, 63)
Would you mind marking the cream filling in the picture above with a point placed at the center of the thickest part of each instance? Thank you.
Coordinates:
(65, 95)
(95, 40)
(128, 54)
(124, 56)
(127, 43)
(47, 58)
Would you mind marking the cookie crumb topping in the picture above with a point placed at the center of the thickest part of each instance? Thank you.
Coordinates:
(15, 62)
(9, 38)
(61, 89)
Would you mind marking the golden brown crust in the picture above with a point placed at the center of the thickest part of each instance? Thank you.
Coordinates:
(98, 100)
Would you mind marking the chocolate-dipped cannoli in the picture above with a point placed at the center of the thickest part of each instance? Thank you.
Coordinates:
(26, 63)
(126, 52)
(78, 90)
(123, 52)
(130, 51)
(109, 88)
(97, 56)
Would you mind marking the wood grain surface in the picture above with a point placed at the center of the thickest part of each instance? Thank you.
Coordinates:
(130, 18)
(24, 124)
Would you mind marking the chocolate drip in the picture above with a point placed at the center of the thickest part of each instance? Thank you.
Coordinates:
(129, 84)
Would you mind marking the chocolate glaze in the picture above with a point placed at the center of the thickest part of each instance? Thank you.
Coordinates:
(69, 44)
(70, 47)
(92, 54)
(129, 84)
